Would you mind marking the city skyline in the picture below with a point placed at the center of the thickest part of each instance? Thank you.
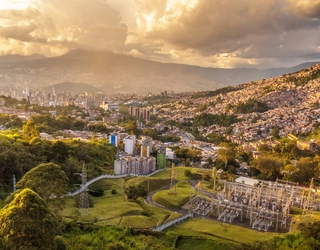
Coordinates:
(209, 33)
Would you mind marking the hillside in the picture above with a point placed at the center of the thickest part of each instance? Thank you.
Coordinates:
(72, 87)
(19, 58)
(114, 73)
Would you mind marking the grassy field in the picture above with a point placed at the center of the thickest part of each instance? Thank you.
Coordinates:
(175, 197)
(149, 183)
(297, 220)
(215, 230)
(113, 209)
(180, 173)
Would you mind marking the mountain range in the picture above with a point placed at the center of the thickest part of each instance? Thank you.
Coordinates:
(113, 73)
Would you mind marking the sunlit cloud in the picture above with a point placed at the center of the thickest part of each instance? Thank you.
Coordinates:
(210, 33)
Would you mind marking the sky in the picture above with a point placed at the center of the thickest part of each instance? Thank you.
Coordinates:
(208, 33)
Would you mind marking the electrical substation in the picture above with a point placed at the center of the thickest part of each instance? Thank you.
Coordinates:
(264, 207)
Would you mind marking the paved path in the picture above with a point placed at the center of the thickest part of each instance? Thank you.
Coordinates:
(107, 176)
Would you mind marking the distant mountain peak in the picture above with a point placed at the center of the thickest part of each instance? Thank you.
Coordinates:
(111, 73)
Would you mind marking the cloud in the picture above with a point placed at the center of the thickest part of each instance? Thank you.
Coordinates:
(212, 33)
(251, 29)
(306, 8)
(61, 25)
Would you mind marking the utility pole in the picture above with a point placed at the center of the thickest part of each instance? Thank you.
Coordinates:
(84, 198)
(14, 183)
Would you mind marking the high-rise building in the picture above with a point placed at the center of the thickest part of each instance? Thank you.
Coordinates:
(137, 112)
(147, 115)
(146, 143)
(129, 144)
(121, 166)
(114, 139)
(135, 165)
(132, 111)
(145, 151)
(154, 110)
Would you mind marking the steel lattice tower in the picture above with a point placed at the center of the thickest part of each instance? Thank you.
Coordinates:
(214, 177)
(173, 178)
(84, 198)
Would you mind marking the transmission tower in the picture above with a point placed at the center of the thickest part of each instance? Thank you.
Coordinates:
(84, 198)
(14, 183)
(308, 204)
(173, 178)
(214, 177)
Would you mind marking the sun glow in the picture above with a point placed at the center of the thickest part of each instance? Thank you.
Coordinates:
(15, 4)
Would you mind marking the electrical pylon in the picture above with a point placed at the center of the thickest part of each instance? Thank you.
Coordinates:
(214, 177)
(14, 183)
(84, 198)
(173, 177)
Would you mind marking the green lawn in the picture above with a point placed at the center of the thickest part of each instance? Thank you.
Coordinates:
(105, 207)
(161, 215)
(151, 184)
(222, 231)
(180, 173)
(113, 209)
(138, 222)
(171, 199)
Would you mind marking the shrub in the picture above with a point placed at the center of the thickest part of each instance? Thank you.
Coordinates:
(205, 176)
(113, 191)
(96, 192)
(147, 213)
(187, 172)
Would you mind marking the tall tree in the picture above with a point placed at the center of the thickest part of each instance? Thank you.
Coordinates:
(48, 180)
(226, 153)
(30, 130)
(269, 166)
(307, 167)
(27, 223)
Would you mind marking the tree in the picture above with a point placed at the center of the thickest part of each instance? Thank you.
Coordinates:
(60, 150)
(133, 192)
(307, 167)
(275, 132)
(48, 180)
(311, 232)
(226, 153)
(27, 223)
(30, 130)
(268, 166)
(131, 127)
(187, 172)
